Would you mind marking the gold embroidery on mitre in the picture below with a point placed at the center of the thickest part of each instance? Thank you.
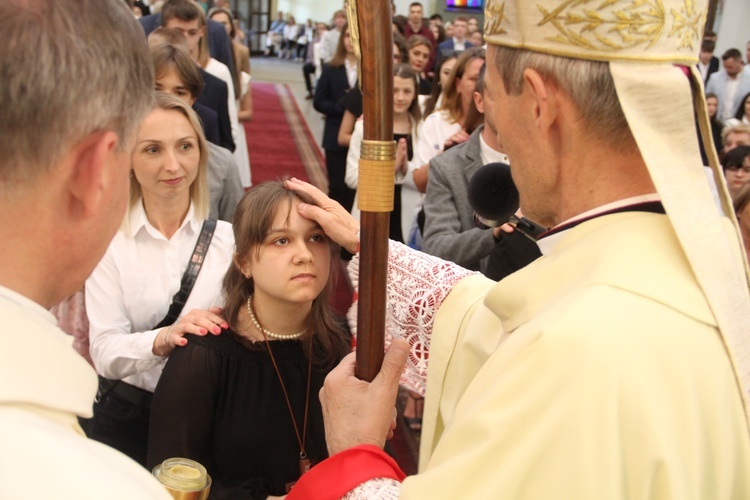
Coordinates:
(688, 24)
(494, 15)
(612, 25)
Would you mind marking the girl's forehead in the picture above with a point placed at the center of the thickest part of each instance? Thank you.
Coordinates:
(286, 215)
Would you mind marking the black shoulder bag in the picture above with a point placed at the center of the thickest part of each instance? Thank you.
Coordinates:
(179, 299)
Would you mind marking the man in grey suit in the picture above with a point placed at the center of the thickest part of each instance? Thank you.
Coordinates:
(730, 85)
(223, 183)
(449, 231)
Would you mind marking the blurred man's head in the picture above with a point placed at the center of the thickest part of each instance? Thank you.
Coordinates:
(416, 13)
(339, 19)
(459, 28)
(732, 61)
(183, 15)
(73, 100)
(707, 51)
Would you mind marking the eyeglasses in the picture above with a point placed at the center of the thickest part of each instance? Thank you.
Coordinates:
(744, 168)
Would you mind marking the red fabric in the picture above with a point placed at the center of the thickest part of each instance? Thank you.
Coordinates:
(336, 476)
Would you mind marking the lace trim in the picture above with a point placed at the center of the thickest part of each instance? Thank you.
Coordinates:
(417, 285)
(382, 488)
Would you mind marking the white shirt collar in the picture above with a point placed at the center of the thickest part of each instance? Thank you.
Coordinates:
(547, 243)
(490, 155)
(351, 72)
(27, 304)
(139, 221)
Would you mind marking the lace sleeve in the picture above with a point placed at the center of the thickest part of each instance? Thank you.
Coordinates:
(417, 285)
(381, 488)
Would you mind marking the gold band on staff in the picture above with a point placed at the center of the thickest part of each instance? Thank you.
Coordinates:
(376, 176)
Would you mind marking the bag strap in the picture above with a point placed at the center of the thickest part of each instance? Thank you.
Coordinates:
(191, 273)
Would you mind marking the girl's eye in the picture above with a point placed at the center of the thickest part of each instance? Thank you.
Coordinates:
(152, 150)
(186, 146)
(318, 238)
(281, 241)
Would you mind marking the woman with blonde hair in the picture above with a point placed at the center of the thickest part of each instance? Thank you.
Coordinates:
(138, 299)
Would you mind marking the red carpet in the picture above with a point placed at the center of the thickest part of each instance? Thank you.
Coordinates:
(278, 138)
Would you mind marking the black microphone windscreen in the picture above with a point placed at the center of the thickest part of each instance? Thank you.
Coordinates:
(492, 193)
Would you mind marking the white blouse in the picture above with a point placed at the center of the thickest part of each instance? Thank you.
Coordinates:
(436, 130)
(355, 147)
(241, 153)
(132, 287)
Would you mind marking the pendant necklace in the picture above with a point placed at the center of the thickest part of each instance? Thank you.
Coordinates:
(304, 461)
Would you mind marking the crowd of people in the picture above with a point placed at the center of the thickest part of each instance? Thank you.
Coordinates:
(727, 96)
(602, 359)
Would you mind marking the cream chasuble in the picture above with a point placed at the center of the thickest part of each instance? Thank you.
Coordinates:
(595, 391)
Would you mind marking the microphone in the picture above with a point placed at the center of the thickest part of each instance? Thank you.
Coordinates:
(494, 197)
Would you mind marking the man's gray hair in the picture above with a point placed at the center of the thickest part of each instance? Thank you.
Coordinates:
(589, 85)
(68, 68)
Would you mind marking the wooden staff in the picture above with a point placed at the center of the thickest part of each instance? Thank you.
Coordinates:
(370, 25)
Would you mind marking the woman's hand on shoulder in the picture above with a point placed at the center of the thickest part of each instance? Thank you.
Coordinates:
(458, 138)
(196, 322)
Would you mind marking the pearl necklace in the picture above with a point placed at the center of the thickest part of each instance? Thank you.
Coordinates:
(268, 333)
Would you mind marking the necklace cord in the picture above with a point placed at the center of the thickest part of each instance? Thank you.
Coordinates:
(301, 440)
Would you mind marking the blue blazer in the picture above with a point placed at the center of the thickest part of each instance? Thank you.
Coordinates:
(215, 96)
(209, 120)
(332, 86)
(445, 49)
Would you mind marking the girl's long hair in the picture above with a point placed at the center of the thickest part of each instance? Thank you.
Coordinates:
(252, 221)
(437, 88)
(406, 72)
(452, 103)
(339, 57)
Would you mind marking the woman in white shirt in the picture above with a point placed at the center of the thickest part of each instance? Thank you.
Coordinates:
(131, 289)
